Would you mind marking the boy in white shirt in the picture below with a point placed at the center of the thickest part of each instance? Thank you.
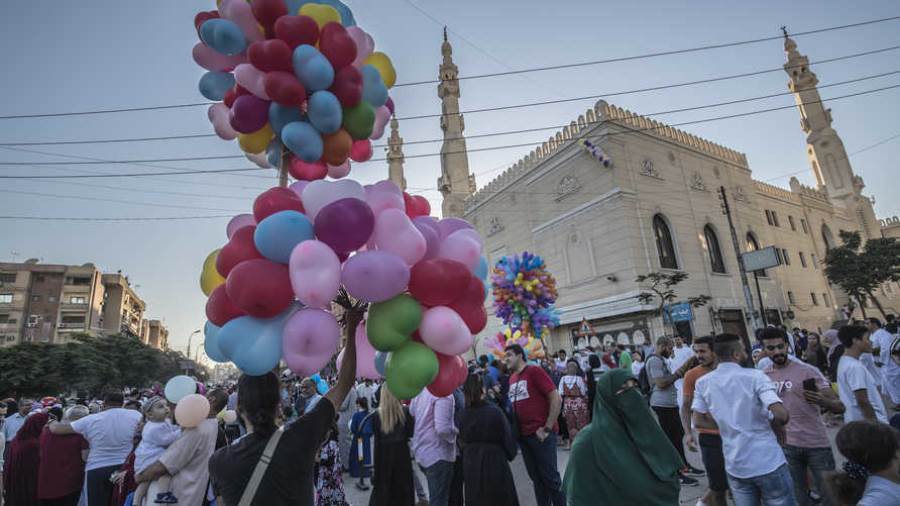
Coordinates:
(857, 388)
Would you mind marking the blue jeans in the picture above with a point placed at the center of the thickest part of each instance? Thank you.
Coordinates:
(540, 462)
(773, 489)
(818, 461)
(439, 476)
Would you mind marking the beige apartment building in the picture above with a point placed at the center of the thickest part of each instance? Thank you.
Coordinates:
(48, 303)
(657, 207)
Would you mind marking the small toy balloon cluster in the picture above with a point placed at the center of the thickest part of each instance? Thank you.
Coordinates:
(294, 74)
(534, 348)
(596, 152)
(272, 285)
(524, 293)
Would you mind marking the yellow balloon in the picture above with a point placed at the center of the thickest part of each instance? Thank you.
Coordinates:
(383, 63)
(210, 277)
(256, 142)
(323, 14)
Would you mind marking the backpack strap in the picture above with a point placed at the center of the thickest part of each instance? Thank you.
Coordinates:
(260, 470)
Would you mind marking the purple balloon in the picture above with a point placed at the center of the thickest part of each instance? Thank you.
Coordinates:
(309, 340)
(249, 114)
(390, 104)
(375, 276)
(345, 224)
(432, 239)
(449, 225)
(297, 187)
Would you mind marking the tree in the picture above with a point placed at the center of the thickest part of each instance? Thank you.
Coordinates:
(659, 289)
(859, 270)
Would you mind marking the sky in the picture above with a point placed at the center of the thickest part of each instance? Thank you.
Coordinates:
(101, 54)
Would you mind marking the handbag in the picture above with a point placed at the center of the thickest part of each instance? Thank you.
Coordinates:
(260, 470)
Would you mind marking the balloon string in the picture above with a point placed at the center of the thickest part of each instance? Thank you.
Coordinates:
(283, 169)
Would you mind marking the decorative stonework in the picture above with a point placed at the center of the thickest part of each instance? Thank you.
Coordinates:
(568, 185)
(697, 182)
(671, 157)
(495, 227)
(647, 169)
(739, 194)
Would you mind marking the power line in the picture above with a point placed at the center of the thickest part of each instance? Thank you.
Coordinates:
(494, 74)
(475, 150)
(161, 218)
(116, 201)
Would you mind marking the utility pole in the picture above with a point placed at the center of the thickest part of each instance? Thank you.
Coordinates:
(748, 295)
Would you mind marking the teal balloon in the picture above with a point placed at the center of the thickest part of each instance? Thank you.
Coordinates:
(223, 35)
(179, 387)
(211, 343)
(214, 85)
(380, 359)
(482, 270)
(273, 153)
(281, 115)
(374, 90)
(276, 236)
(312, 68)
(410, 369)
(303, 140)
(254, 344)
(325, 113)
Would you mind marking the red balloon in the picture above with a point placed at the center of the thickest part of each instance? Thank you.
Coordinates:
(297, 30)
(416, 205)
(274, 200)
(260, 287)
(361, 150)
(268, 11)
(203, 17)
(270, 55)
(305, 171)
(284, 88)
(348, 86)
(219, 308)
(417, 337)
(470, 306)
(238, 249)
(452, 372)
(438, 281)
(233, 93)
(337, 45)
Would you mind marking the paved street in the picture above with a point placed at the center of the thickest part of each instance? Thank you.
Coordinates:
(689, 495)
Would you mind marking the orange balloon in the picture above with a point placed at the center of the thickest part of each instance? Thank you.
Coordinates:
(337, 147)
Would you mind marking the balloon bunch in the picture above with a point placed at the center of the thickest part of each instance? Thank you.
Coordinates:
(534, 348)
(524, 293)
(298, 75)
(272, 285)
(596, 152)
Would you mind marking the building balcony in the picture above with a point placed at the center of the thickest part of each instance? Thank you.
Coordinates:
(9, 327)
(70, 326)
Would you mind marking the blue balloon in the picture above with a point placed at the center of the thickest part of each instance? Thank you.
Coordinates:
(312, 68)
(178, 387)
(482, 270)
(211, 343)
(380, 359)
(321, 385)
(281, 115)
(487, 289)
(374, 90)
(223, 35)
(254, 344)
(213, 85)
(325, 112)
(303, 140)
(277, 235)
(273, 153)
(347, 18)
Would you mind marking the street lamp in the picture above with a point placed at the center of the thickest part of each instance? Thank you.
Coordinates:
(190, 337)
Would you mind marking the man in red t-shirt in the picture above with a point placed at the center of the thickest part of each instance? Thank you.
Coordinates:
(535, 404)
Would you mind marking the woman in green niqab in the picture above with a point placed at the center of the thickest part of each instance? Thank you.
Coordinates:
(623, 457)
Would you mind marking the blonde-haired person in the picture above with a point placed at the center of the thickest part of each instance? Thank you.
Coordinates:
(393, 428)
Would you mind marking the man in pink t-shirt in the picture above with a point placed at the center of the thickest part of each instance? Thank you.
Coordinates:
(802, 389)
(535, 404)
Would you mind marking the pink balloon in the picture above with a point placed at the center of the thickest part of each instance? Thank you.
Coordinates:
(315, 273)
(318, 194)
(238, 222)
(386, 186)
(212, 60)
(339, 171)
(192, 409)
(364, 44)
(382, 116)
(240, 12)
(361, 151)
(259, 159)
(365, 356)
(449, 225)
(394, 232)
(297, 187)
(432, 239)
(380, 200)
(252, 79)
(375, 276)
(309, 340)
(445, 332)
(219, 116)
(464, 246)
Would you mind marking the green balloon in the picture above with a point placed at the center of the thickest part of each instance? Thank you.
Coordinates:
(390, 323)
(359, 120)
(410, 369)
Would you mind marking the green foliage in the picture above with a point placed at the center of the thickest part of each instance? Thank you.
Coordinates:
(87, 365)
(659, 289)
(859, 270)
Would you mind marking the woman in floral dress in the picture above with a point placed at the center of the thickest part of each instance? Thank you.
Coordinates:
(329, 484)
(573, 391)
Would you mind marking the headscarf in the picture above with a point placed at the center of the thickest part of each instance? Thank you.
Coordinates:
(623, 456)
(20, 476)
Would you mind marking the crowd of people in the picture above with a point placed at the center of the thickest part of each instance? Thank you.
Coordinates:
(628, 416)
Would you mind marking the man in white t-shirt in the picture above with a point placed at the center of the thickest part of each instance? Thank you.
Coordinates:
(857, 388)
(110, 434)
(681, 353)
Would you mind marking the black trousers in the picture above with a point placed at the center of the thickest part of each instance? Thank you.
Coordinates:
(69, 500)
(99, 488)
(671, 426)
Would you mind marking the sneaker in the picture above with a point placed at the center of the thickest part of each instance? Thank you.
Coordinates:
(687, 481)
(689, 469)
(166, 498)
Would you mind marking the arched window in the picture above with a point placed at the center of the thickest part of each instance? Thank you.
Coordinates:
(713, 249)
(827, 237)
(664, 245)
(753, 245)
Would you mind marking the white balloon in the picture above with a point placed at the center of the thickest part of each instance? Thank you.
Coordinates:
(319, 194)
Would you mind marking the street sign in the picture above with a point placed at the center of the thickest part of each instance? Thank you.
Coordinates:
(761, 259)
(680, 312)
